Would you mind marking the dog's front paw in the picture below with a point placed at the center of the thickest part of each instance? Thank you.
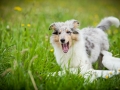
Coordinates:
(59, 73)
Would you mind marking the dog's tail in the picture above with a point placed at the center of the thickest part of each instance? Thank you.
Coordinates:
(107, 22)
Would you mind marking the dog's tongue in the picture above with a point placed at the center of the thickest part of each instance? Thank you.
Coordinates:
(65, 47)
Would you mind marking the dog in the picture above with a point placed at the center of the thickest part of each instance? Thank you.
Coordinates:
(77, 49)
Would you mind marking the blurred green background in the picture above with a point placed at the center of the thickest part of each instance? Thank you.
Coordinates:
(58, 10)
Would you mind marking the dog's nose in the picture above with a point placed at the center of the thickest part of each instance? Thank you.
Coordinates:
(62, 40)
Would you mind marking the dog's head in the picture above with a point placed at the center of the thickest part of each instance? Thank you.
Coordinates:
(65, 33)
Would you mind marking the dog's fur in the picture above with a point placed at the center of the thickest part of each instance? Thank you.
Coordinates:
(74, 48)
(110, 62)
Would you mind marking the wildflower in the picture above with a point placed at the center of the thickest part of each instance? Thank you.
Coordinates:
(7, 27)
(17, 8)
(22, 25)
(106, 76)
(110, 73)
(51, 50)
(28, 25)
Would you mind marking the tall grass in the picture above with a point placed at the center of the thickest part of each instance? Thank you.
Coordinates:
(26, 55)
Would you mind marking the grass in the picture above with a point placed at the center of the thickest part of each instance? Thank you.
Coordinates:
(26, 55)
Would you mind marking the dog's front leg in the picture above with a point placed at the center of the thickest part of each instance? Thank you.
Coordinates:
(94, 74)
(106, 73)
(64, 71)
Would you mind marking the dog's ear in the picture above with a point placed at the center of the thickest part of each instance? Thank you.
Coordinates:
(52, 26)
(75, 24)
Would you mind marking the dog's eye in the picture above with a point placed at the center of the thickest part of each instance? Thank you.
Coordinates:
(68, 32)
(75, 32)
(59, 33)
(55, 32)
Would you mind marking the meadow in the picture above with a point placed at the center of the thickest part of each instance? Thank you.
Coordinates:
(26, 55)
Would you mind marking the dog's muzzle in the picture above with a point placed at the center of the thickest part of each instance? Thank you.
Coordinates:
(62, 40)
(65, 46)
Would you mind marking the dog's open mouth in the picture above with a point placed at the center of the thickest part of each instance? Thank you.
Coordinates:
(65, 47)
